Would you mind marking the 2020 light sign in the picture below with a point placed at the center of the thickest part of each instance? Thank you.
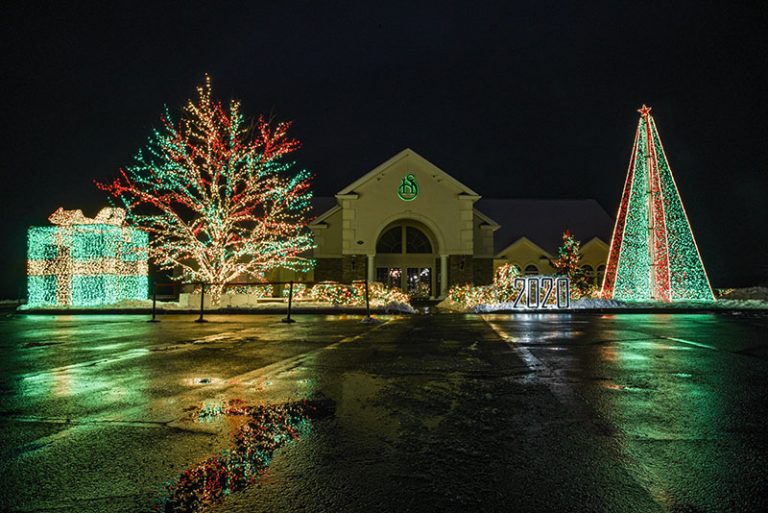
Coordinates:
(536, 292)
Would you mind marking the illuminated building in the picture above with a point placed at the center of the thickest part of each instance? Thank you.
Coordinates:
(411, 225)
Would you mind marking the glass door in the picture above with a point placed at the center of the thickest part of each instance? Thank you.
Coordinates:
(419, 284)
(390, 276)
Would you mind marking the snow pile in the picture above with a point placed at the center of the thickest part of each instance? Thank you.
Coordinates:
(399, 307)
(510, 306)
(586, 303)
(743, 304)
(610, 304)
(758, 293)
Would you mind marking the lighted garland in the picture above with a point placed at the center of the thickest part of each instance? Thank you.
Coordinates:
(340, 294)
(217, 196)
(254, 291)
(334, 293)
(653, 254)
(298, 290)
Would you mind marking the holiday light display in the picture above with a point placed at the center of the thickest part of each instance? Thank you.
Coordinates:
(653, 254)
(217, 197)
(339, 294)
(567, 264)
(514, 291)
(85, 262)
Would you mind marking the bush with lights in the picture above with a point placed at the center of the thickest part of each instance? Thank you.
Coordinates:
(507, 286)
(341, 294)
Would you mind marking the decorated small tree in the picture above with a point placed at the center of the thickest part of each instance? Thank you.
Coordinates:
(567, 264)
(504, 283)
(216, 195)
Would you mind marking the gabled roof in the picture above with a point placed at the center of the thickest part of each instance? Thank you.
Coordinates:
(543, 221)
(594, 240)
(527, 242)
(404, 154)
(492, 224)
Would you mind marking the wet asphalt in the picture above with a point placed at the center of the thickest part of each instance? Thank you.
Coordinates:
(525, 412)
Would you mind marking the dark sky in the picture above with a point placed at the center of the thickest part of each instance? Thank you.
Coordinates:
(516, 99)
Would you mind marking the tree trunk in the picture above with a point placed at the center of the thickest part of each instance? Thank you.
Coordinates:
(214, 291)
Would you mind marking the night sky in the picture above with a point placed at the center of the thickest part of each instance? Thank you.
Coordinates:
(517, 99)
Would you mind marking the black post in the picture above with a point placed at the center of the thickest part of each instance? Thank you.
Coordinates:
(154, 302)
(290, 303)
(202, 302)
(367, 301)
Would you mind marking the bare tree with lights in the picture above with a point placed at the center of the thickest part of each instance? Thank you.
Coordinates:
(217, 195)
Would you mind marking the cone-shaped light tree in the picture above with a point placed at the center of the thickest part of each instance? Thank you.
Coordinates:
(653, 254)
(216, 195)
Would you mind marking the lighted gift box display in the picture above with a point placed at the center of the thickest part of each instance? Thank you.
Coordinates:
(83, 261)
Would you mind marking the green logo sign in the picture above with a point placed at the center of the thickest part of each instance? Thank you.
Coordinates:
(408, 189)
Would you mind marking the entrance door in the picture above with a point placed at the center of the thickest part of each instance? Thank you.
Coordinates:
(416, 281)
(420, 282)
(405, 259)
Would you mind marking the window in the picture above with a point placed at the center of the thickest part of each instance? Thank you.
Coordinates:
(531, 270)
(415, 241)
(391, 241)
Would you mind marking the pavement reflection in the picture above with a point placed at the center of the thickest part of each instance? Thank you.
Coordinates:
(532, 412)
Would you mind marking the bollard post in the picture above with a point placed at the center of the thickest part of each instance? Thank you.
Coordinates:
(202, 302)
(367, 300)
(154, 302)
(288, 319)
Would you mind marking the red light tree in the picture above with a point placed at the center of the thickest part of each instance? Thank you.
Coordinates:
(216, 195)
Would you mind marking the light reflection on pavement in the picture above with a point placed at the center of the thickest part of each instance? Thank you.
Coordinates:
(434, 412)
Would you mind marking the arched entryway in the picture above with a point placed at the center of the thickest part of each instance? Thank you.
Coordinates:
(406, 254)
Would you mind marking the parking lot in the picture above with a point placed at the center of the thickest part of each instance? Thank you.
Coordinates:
(433, 412)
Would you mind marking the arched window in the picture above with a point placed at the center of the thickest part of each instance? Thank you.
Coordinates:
(408, 237)
(531, 270)
(416, 241)
(391, 241)
(600, 274)
(588, 272)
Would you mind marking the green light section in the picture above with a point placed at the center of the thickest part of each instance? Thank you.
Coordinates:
(41, 290)
(633, 273)
(688, 279)
(107, 289)
(40, 243)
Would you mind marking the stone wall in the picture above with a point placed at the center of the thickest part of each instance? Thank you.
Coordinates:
(482, 271)
(459, 269)
(353, 267)
(328, 269)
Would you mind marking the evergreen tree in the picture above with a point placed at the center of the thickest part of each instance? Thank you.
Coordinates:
(567, 264)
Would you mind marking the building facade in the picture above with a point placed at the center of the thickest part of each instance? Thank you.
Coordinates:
(411, 225)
